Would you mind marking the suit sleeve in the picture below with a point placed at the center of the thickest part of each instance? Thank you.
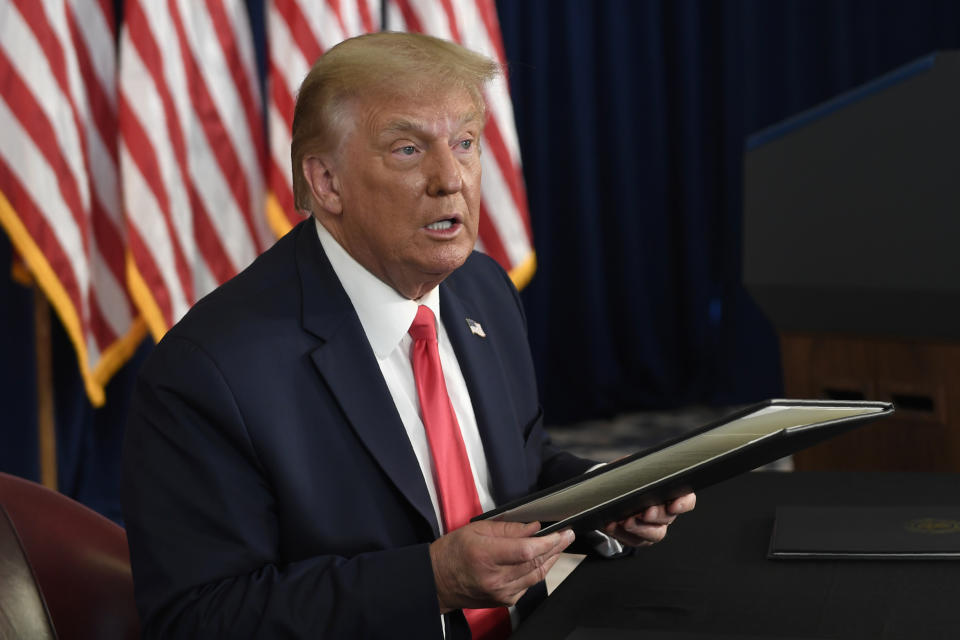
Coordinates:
(203, 533)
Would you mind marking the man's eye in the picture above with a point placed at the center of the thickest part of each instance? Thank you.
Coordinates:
(408, 150)
(466, 144)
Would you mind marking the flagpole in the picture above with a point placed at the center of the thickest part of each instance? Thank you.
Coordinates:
(383, 15)
(46, 424)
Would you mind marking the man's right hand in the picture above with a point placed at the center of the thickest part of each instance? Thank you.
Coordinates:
(489, 564)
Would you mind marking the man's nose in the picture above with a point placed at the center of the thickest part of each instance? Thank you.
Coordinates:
(444, 175)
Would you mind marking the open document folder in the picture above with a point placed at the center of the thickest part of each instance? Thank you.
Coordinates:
(743, 441)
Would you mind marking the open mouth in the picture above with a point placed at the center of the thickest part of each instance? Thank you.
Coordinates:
(441, 225)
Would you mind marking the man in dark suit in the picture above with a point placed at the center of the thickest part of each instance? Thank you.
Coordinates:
(281, 475)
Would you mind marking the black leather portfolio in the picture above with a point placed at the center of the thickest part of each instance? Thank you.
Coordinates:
(859, 533)
(743, 441)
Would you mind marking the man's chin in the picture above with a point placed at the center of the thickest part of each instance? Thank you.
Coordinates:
(449, 261)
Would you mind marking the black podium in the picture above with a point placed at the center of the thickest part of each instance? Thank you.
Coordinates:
(851, 226)
(852, 209)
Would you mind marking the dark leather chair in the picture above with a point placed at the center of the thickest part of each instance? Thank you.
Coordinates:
(23, 613)
(80, 561)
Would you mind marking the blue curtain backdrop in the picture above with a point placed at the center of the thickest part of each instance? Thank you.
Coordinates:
(632, 117)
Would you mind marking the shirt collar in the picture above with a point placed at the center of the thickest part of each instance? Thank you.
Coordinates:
(386, 315)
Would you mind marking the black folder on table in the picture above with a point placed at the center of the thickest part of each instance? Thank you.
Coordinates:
(863, 533)
(743, 441)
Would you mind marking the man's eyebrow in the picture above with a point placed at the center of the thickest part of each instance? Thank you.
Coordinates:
(409, 126)
(473, 116)
(401, 126)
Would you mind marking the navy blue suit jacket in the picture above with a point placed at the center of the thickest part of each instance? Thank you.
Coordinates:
(270, 489)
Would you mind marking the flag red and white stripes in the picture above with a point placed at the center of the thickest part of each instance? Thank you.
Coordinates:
(300, 30)
(59, 192)
(192, 151)
(180, 136)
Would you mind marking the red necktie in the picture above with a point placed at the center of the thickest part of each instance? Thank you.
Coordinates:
(456, 490)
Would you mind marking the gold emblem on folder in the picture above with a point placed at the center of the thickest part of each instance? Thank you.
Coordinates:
(933, 526)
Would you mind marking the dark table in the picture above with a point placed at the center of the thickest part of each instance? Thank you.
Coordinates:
(711, 578)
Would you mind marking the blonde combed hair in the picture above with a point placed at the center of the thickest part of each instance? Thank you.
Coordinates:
(379, 64)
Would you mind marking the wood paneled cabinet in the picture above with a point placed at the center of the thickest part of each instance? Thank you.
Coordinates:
(921, 378)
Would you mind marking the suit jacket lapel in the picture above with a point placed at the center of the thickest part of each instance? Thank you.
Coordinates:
(348, 366)
(481, 367)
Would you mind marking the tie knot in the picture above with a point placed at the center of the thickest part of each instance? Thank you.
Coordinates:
(424, 326)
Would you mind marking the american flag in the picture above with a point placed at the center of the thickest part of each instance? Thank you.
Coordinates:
(178, 131)
(59, 191)
(192, 151)
(300, 30)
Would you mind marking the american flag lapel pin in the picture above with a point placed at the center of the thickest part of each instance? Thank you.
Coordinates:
(475, 328)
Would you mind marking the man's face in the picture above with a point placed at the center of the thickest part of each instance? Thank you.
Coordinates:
(408, 177)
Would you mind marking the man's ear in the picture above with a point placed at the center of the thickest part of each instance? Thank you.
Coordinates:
(324, 185)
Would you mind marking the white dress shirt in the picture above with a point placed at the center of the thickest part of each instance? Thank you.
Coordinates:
(386, 317)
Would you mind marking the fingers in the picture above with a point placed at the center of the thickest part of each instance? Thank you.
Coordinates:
(636, 533)
(683, 504)
(655, 515)
(648, 530)
(650, 525)
(492, 563)
(524, 582)
(523, 552)
(667, 513)
(530, 562)
(508, 529)
(523, 564)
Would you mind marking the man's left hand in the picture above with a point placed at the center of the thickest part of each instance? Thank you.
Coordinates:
(650, 526)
